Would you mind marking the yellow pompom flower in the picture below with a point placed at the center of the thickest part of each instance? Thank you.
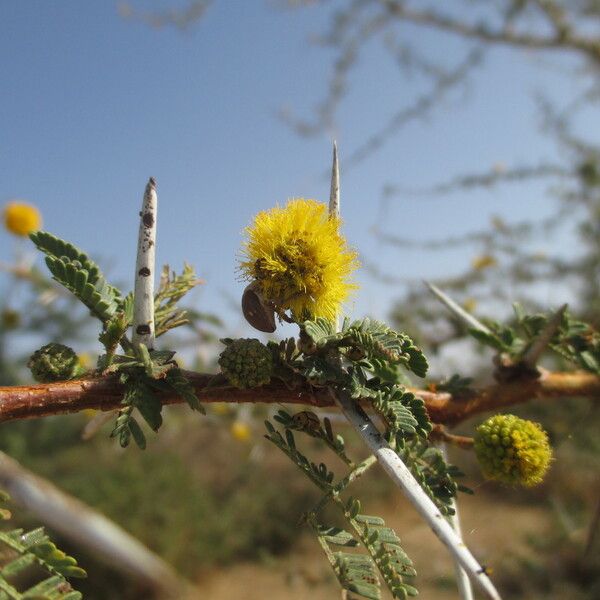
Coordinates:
(300, 260)
(240, 430)
(21, 218)
(513, 450)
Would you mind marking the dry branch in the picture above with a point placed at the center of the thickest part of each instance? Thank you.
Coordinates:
(105, 393)
(89, 529)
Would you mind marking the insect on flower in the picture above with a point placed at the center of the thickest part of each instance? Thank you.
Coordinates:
(260, 314)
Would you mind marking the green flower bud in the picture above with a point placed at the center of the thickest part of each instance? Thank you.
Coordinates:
(53, 362)
(512, 450)
(246, 363)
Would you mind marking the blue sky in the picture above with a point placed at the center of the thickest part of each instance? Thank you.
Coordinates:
(93, 105)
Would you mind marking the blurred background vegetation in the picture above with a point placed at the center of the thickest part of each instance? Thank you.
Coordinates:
(208, 494)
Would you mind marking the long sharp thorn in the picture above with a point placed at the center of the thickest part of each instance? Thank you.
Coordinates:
(465, 590)
(456, 310)
(334, 194)
(143, 301)
(334, 200)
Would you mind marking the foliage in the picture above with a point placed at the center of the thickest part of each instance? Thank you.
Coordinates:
(361, 360)
(143, 372)
(23, 553)
(172, 288)
(79, 274)
(370, 550)
(195, 505)
(572, 339)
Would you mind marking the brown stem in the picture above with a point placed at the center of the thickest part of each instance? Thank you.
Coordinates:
(461, 441)
(443, 408)
(105, 393)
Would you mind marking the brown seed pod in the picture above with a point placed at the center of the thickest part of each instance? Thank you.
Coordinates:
(259, 313)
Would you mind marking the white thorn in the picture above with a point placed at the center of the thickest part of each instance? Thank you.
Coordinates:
(334, 201)
(143, 301)
(457, 310)
(463, 583)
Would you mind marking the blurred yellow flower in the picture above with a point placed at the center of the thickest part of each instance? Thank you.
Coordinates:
(470, 304)
(85, 361)
(485, 261)
(300, 260)
(21, 218)
(240, 431)
(221, 408)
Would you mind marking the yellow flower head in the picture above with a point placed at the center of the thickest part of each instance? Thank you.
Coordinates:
(513, 450)
(21, 218)
(300, 260)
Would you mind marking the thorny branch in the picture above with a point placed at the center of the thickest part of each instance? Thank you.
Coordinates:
(105, 393)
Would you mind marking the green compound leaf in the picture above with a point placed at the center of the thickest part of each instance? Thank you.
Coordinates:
(320, 330)
(436, 477)
(319, 474)
(136, 432)
(357, 573)
(171, 290)
(33, 551)
(404, 413)
(115, 328)
(184, 388)
(79, 274)
(336, 536)
(491, 339)
(384, 344)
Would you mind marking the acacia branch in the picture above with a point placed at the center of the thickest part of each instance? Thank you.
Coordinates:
(563, 38)
(106, 393)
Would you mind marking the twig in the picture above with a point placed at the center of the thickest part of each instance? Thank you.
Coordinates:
(508, 36)
(456, 310)
(143, 302)
(88, 529)
(106, 393)
(442, 437)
